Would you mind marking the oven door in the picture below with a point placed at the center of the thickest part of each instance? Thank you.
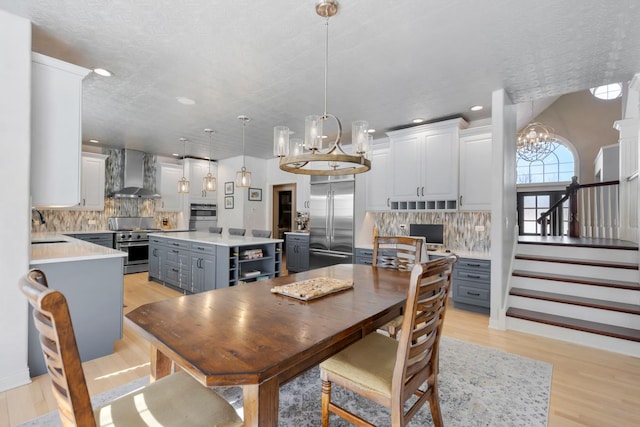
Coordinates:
(137, 255)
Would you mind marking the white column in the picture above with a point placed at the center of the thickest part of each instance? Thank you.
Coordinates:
(15, 217)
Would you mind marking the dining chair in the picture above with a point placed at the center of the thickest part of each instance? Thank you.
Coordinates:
(388, 371)
(261, 233)
(407, 251)
(215, 230)
(175, 400)
(236, 231)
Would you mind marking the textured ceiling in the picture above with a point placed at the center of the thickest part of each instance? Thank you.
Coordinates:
(390, 61)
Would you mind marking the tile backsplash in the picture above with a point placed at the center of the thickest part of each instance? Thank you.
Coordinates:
(459, 227)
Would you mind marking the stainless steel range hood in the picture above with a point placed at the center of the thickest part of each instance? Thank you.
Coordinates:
(134, 178)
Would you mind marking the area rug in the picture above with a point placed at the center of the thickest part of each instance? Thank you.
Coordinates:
(479, 386)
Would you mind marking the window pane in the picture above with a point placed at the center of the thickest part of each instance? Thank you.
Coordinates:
(529, 201)
(530, 227)
(558, 166)
(530, 215)
(543, 201)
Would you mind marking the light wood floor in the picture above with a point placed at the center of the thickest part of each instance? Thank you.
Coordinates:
(589, 387)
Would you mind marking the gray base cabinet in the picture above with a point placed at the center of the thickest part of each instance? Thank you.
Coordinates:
(297, 252)
(472, 285)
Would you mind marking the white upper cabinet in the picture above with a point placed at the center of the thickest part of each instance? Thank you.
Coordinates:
(475, 169)
(195, 171)
(167, 177)
(378, 179)
(303, 191)
(92, 182)
(424, 160)
(56, 108)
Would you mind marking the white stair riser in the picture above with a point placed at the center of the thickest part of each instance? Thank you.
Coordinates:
(616, 345)
(595, 254)
(605, 273)
(604, 293)
(608, 317)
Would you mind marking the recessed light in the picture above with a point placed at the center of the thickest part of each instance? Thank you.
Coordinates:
(184, 100)
(176, 154)
(103, 72)
(476, 108)
(418, 120)
(371, 130)
(324, 137)
(95, 141)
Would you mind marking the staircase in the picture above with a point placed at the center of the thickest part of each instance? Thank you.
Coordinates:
(585, 291)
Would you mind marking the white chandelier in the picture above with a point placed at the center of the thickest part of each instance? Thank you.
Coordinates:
(310, 158)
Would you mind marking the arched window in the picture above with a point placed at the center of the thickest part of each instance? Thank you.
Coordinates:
(558, 166)
(539, 186)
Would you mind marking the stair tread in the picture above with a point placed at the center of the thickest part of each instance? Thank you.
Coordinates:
(577, 300)
(578, 242)
(576, 324)
(577, 279)
(562, 260)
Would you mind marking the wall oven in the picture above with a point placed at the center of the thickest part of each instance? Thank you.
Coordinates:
(202, 216)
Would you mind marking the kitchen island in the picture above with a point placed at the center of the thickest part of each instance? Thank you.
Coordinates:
(90, 277)
(197, 261)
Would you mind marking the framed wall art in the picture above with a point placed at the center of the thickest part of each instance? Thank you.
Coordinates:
(228, 202)
(255, 194)
(228, 188)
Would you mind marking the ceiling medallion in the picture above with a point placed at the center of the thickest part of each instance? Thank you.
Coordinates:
(310, 158)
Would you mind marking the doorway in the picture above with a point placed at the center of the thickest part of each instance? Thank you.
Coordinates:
(284, 209)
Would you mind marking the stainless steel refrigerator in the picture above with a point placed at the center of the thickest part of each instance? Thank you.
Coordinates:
(331, 220)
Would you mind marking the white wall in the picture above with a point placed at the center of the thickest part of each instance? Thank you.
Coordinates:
(245, 214)
(15, 102)
(503, 201)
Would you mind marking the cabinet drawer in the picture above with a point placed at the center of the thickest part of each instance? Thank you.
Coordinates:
(364, 260)
(179, 277)
(468, 292)
(158, 241)
(179, 244)
(475, 275)
(474, 264)
(364, 253)
(297, 238)
(178, 257)
(203, 248)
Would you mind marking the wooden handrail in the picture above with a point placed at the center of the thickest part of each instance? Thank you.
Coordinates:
(571, 195)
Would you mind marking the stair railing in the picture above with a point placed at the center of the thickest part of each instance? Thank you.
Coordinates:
(593, 211)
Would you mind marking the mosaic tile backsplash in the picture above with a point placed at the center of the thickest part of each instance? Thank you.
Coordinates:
(60, 220)
(459, 227)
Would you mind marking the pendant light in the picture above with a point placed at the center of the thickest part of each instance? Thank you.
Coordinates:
(536, 141)
(316, 161)
(209, 181)
(243, 177)
(183, 183)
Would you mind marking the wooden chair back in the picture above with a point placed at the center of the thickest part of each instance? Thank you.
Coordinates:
(58, 343)
(408, 251)
(418, 345)
(261, 233)
(236, 231)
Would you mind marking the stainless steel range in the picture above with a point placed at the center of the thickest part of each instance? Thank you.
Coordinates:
(132, 237)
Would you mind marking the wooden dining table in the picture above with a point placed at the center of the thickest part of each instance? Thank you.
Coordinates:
(248, 336)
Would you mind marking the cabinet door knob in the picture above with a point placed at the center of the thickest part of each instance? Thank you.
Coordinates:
(418, 191)
(388, 201)
(422, 191)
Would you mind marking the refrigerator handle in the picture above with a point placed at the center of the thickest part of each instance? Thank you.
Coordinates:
(333, 196)
(326, 217)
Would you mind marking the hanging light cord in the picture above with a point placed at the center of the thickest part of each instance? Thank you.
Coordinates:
(326, 64)
(244, 123)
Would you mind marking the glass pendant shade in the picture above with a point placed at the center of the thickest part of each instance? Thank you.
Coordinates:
(360, 137)
(280, 141)
(313, 132)
(183, 185)
(243, 178)
(209, 183)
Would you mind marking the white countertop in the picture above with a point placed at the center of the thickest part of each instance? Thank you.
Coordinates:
(460, 253)
(70, 250)
(215, 239)
(302, 233)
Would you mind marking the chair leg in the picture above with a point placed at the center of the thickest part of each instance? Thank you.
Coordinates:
(434, 404)
(393, 332)
(326, 399)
